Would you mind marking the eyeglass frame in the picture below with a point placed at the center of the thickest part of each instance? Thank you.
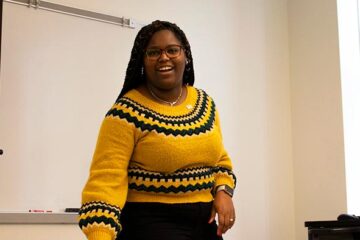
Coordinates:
(163, 50)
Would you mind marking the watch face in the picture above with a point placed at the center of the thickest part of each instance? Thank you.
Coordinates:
(229, 190)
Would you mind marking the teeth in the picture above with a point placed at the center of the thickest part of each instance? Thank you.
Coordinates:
(165, 68)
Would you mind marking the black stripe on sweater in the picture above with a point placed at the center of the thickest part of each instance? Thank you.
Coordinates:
(207, 126)
(171, 120)
(172, 189)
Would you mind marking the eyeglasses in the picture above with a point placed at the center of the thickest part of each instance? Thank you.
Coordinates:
(171, 51)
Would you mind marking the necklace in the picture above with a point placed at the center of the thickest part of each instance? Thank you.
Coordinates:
(167, 102)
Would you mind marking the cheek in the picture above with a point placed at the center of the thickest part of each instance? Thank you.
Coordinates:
(181, 65)
(148, 68)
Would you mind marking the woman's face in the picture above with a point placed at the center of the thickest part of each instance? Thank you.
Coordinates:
(164, 73)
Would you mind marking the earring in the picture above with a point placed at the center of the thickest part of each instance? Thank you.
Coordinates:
(142, 70)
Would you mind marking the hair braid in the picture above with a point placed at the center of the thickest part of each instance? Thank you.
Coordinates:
(135, 71)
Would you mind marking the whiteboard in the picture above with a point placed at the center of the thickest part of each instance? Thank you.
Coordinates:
(59, 76)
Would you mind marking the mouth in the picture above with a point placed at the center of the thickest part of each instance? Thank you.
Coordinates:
(165, 68)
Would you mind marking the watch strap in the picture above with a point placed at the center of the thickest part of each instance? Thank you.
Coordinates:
(226, 188)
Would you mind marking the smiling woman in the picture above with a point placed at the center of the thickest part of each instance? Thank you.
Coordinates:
(164, 74)
(160, 170)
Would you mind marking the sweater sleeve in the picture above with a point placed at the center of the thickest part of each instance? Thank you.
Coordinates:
(105, 192)
(223, 170)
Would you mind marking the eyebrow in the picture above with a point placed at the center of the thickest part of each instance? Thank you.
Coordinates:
(156, 46)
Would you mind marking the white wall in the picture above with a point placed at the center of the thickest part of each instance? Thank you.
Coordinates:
(59, 76)
(241, 57)
(318, 147)
(349, 20)
(265, 139)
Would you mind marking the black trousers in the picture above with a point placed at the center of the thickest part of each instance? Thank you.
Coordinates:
(158, 221)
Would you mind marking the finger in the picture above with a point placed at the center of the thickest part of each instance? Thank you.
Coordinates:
(212, 215)
(226, 223)
(221, 226)
(232, 220)
(229, 220)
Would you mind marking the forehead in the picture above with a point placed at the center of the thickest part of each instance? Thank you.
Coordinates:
(163, 38)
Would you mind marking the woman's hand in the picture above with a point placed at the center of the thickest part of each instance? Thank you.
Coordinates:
(224, 208)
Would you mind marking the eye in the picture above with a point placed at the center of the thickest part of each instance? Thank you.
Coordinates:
(173, 50)
(153, 52)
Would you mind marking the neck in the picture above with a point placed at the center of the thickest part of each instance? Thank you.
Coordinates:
(169, 97)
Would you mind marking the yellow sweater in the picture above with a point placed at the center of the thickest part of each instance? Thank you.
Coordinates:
(149, 152)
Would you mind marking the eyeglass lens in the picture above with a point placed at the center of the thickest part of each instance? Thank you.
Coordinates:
(171, 51)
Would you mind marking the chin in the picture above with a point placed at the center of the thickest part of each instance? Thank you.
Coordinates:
(167, 84)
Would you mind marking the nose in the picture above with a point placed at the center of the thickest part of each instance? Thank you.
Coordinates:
(163, 57)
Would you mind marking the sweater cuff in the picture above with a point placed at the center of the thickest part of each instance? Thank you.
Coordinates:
(99, 220)
(99, 235)
(224, 180)
(224, 176)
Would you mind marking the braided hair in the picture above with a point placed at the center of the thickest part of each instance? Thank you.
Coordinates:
(135, 71)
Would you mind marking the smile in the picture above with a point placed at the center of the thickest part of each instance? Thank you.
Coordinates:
(164, 68)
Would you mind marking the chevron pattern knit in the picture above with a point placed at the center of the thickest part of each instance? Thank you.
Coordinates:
(148, 152)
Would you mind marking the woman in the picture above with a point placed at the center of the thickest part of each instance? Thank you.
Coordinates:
(159, 170)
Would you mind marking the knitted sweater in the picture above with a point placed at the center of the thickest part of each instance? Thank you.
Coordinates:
(149, 152)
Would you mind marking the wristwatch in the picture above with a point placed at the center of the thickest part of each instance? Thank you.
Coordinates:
(226, 188)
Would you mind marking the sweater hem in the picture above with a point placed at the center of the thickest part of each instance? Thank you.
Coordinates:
(169, 198)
